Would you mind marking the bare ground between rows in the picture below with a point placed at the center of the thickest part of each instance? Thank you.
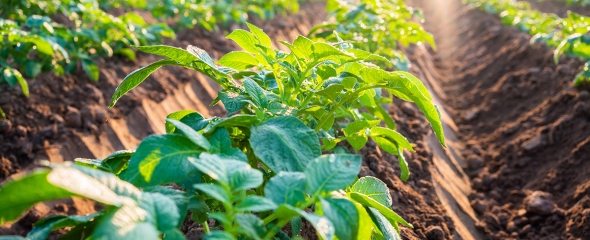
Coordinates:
(527, 131)
(66, 117)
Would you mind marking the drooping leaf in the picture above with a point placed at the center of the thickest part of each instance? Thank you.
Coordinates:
(386, 211)
(384, 226)
(179, 115)
(137, 77)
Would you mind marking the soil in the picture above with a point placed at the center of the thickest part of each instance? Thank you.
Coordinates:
(526, 129)
(518, 134)
(67, 117)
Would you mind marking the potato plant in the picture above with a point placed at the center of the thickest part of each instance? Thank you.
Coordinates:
(207, 14)
(375, 26)
(274, 160)
(568, 35)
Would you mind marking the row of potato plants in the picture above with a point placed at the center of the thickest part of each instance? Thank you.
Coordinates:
(208, 14)
(569, 35)
(32, 42)
(583, 3)
(277, 158)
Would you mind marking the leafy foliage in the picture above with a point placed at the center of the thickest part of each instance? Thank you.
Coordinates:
(252, 172)
(374, 26)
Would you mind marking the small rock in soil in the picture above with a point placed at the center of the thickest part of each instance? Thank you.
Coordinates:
(475, 162)
(525, 229)
(100, 115)
(511, 130)
(503, 217)
(73, 118)
(533, 71)
(477, 184)
(57, 119)
(87, 114)
(492, 221)
(21, 131)
(479, 206)
(48, 131)
(5, 126)
(539, 203)
(408, 109)
(511, 227)
(435, 233)
(470, 114)
(533, 143)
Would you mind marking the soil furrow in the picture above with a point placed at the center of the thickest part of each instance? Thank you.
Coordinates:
(524, 127)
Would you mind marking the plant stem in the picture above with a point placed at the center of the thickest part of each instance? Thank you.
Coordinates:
(206, 227)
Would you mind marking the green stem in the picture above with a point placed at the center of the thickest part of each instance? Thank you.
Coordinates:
(206, 227)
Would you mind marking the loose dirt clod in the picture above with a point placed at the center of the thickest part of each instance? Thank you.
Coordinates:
(539, 203)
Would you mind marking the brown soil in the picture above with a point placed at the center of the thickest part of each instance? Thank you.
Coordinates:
(66, 117)
(526, 129)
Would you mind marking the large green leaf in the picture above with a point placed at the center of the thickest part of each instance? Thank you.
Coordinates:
(161, 159)
(173, 53)
(332, 172)
(374, 188)
(188, 117)
(238, 60)
(286, 187)
(284, 144)
(137, 77)
(260, 35)
(211, 165)
(244, 39)
(344, 215)
(221, 144)
(242, 176)
(255, 92)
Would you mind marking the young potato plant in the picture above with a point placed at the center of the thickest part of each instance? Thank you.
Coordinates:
(375, 26)
(272, 161)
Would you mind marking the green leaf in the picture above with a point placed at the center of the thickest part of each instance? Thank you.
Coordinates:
(284, 144)
(255, 204)
(403, 165)
(343, 214)
(43, 227)
(61, 182)
(40, 43)
(161, 159)
(13, 76)
(211, 165)
(128, 53)
(238, 60)
(214, 191)
(332, 172)
(365, 222)
(255, 92)
(251, 224)
(245, 121)
(222, 145)
(91, 69)
(244, 39)
(219, 235)
(286, 187)
(242, 176)
(296, 225)
(188, 117)
(114, 163)
(260, 35)
(137, 77)
(384, 226)
(332, 92)
(32, 68)
(173, 53)
(392, 135)
(232, 100)
(199, 209)
(373, 188)
(386, 211)
(174, 234)
(191, 134)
